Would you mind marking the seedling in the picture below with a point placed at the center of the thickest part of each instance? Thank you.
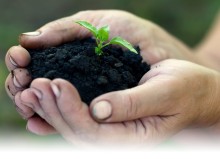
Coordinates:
(102, 35)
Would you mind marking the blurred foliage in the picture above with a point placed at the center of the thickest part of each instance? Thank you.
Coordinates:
(188, 20)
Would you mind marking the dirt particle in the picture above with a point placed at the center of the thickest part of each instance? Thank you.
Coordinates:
(119, 64)
(102, 80)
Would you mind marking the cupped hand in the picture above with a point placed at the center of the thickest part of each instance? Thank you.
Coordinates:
(155, 45)
(173, 95)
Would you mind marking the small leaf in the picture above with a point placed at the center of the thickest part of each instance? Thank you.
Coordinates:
(88, 26)
(103, 33)
(98, 51)
(124, 43)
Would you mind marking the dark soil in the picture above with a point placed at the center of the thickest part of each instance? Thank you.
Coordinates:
(92, 75)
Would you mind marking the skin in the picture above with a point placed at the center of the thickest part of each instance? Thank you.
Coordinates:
(169, 98)
(208, 49)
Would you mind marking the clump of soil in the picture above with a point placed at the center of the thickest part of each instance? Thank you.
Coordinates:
(92, 75)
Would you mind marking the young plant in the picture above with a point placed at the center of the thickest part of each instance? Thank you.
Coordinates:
(102, 35)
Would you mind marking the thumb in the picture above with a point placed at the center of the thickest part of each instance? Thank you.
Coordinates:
(144, 100)
(54, 33)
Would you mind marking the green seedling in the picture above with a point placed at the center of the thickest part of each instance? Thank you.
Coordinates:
(102, 35)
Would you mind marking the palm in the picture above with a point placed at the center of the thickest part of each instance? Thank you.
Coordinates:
(136, 132)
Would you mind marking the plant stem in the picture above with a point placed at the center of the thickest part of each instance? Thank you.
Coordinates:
(105, 45)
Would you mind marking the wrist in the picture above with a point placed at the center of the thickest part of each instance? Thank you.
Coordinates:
(208, 49)
(208, 59)
(209, 112)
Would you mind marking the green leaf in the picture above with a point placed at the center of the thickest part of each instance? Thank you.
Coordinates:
(103, 33)
(88, 26)
(122, 42)
(98, 51)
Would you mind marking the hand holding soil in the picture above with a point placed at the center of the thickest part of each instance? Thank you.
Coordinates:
(152, 111)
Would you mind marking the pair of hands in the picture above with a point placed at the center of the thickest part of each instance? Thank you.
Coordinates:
(173, 95)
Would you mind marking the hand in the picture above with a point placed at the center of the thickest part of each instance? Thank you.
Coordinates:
(208, 49)
(173, 95)
(154, 42)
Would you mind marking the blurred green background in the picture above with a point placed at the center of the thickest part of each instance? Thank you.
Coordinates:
(186, 19)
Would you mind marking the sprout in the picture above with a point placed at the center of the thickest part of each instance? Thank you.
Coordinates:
(102, 35)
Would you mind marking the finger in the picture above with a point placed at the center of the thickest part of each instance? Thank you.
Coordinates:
(28, 98)
(21, 78)
(10, 87)
(144, 100)
(39, 126)
(17, 57)
(25, 111)
(35, 123)
(55, 33)
(74, 111)
(17, 81)
(47, 104)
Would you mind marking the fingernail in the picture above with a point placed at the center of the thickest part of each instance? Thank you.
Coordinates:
(16, 83)
(55, 89)
(12, 61)
(102, 110)
(37, 93)
(34, 33)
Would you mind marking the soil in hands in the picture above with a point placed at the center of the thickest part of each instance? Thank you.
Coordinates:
(92, 75)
